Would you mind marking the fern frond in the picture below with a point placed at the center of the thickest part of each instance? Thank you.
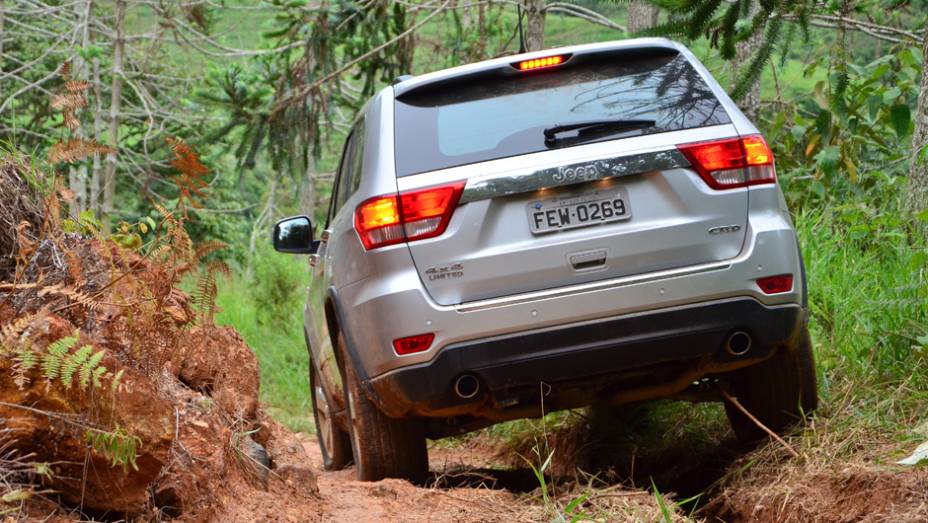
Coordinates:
(219, 267)
(55, 355)
(117, 379)
(89, 367)
(206, 248)
(13, 331)
(68, 101)
(204, 297)
(85, 300)
(75, 150)
(74, 362)
(192, 178)
(120, 448)
(77, 86)
(25, 360)
(97, 376)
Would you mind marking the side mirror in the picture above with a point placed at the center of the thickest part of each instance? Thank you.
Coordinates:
(295, 236)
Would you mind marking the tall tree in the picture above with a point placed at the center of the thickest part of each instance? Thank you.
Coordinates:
(917, 198)
(709, 17)
(535, 25)
(2, 32)
(745, 49)
(641, 16)
(119, 50)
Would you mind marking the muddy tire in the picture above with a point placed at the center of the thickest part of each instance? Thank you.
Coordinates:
(334, 442)
(779, 391)
(383, 447)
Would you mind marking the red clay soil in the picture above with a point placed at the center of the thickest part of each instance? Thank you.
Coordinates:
(349, 500)
(854, 493)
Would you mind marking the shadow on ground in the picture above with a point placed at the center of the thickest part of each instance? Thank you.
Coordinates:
(677, 448)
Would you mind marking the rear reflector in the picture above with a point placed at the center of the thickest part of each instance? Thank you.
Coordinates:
(413, 344)
(733, 162)
(776, 284)
(409, 216)
(539, 63)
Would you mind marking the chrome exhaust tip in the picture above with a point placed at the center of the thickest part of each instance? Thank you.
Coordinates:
(467, 386)
(738, 343)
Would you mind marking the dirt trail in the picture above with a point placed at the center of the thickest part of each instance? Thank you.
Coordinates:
(345, 499)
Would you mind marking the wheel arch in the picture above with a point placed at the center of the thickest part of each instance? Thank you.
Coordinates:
(335, 317)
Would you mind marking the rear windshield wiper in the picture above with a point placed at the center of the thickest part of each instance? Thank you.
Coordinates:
(593, 128)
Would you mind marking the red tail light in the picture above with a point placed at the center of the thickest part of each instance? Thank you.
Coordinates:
(413, 344)
(776, 284)
(409, 216)
(731, 163)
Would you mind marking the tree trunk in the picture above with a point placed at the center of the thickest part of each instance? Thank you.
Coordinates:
(535, 25)
(750, 102)
(2, 20)
(78, 173)
(268, 213)
(308, 189)
(917, 198)
(480, 51)
(109, 176)
(641, 16)
(96, 176)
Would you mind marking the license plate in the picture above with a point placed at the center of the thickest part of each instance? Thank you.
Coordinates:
(570, 212)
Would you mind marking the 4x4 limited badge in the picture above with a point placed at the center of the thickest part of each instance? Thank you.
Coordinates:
(444, 272)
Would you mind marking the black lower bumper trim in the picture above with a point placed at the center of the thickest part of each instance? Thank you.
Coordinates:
(586, 351)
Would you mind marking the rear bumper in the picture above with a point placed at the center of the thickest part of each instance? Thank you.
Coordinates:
(626, 356)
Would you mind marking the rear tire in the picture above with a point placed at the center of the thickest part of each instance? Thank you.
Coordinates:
(383, 447)
(333, 441)
(779, 391)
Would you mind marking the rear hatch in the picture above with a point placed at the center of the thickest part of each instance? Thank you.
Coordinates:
(572, 173)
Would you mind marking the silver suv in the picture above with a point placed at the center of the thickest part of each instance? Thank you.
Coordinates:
(583, 226)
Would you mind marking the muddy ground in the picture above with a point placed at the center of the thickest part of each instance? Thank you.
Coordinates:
(475, 481)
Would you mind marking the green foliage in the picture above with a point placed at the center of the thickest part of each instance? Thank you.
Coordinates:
(726, 25)
(278, 284)
(274, 331)
(666, 514)
(85, 223)
(120, 448)
(59, 363)
(55, 355)
(825, 154)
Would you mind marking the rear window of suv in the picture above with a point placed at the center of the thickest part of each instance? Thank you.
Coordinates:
(504, 113)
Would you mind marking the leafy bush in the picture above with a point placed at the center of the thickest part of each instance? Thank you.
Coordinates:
(277, 286)
(851, 135)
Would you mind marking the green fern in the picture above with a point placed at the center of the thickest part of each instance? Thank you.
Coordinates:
(25, 359)
(97, 375)
(73, 363)
(55, 354)
(120, 448)
(117, 379)
(87, 369)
